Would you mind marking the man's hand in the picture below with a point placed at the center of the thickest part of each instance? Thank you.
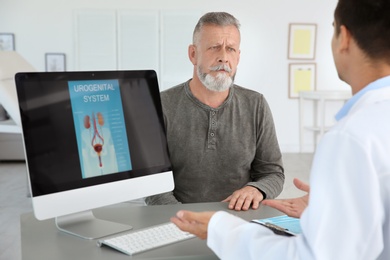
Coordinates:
(292, 207)
(193, 222)
(243, 198)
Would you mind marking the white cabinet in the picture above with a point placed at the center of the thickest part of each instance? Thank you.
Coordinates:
(134, 40)
(318, 124)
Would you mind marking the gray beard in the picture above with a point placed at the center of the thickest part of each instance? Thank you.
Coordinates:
(219, 83)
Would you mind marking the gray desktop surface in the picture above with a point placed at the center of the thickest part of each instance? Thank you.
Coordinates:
(42, 240)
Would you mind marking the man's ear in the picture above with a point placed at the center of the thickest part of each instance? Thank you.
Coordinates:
(192, 54)
(345, 38)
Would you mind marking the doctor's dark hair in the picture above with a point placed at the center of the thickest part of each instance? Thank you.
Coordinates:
(214, 18)
(369, 24)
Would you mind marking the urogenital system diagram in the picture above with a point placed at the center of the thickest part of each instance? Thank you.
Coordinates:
(96, 134)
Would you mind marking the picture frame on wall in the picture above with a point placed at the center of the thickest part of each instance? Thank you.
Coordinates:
(7, 42)
(55, 62)
(302, 77)
(302, 41)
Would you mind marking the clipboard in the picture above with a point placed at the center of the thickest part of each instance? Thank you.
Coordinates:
(281, 225)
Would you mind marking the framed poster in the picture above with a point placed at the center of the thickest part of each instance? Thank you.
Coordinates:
(302, 41)
(55, 62)
(302, 77)
(7, 42)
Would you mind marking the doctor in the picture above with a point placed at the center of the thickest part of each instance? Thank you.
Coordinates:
(348, 212)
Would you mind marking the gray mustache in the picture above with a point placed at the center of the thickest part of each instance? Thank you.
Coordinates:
(221, 67)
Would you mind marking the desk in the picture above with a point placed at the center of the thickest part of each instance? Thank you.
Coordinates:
(318, 98)
(42, 240)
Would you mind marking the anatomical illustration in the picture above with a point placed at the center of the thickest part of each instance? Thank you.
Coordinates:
(96, 133)
(100, 127)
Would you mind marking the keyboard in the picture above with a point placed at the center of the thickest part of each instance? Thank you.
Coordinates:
(146, 239)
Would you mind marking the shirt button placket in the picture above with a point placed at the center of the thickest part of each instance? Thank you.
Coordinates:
(212, 139)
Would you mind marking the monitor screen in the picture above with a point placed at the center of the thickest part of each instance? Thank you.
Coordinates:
(92, 139)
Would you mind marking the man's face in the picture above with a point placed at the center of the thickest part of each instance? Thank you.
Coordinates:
(333, 43)
(216, 56)
(335, 50)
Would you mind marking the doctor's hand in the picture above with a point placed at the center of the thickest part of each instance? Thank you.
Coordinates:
(292, 207)
(193, 222)
(242, 199)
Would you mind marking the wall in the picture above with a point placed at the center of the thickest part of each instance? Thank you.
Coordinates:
(42, 26)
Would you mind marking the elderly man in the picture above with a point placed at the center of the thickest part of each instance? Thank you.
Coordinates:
(221, 137)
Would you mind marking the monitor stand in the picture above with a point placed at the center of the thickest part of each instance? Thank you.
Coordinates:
(86, 225)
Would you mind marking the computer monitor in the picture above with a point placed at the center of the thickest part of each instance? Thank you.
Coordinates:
(92, 139)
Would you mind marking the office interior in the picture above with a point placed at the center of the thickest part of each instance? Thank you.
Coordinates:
(68, 27)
